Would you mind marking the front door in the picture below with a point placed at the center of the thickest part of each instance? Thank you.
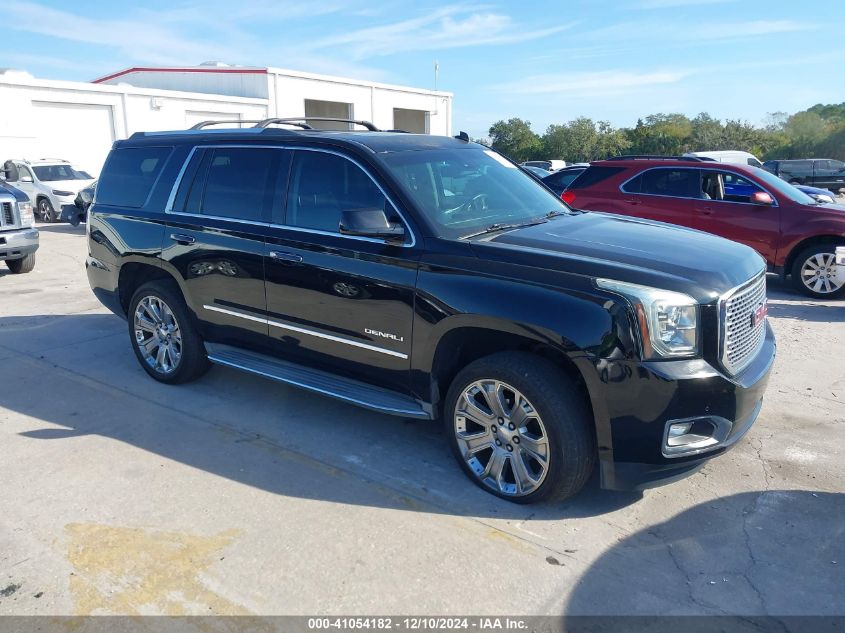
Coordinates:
(336, 302)
(215, 237)
(729, 213)
(24, 180)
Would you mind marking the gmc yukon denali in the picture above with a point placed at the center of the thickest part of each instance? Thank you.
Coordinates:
(429, 277)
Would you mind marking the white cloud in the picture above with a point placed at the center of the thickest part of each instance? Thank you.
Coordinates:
(591, 84)
(453, 26)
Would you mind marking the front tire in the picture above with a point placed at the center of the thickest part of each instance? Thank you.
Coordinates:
(46, 211)
(816, 274)
(519, 428)
(163, 335)
(22, 265)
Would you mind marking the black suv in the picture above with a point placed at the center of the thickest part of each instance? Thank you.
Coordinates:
(430, 277)
(816, 172)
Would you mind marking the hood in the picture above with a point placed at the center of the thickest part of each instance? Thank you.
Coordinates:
(20, 196)
(636, 251)
(74, 186)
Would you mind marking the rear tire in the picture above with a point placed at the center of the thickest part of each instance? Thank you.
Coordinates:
(163, 334)
(23, 265)
(815, 273)
(550, 447)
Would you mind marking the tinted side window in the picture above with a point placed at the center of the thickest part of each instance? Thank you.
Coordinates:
(796, 168)
(593, 175)
(239, 183)
(683, 183)
(322, 186)
(129, 175)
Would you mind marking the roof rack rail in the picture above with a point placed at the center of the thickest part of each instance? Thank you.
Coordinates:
(203, 124)
(299, 119)
(655, 157)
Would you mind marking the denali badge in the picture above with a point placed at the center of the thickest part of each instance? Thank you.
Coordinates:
(759, 314)
(384, 335)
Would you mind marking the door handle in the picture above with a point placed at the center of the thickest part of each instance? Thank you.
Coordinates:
(707, 211)
(285, 257)
(181, 238)
(633, 202)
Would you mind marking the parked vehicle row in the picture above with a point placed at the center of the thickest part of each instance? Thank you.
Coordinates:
(430, 277)
(796, 234)
(49, 184)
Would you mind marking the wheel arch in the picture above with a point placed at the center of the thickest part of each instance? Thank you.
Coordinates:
(807, 243)
(134, 274)
(464, 344)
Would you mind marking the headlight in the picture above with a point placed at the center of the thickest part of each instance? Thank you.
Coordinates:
(26, 215)
(668, 320)
(58, 192)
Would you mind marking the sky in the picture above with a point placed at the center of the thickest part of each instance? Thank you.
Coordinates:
(544, 61)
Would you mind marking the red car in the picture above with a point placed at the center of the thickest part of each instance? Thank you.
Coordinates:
(796, 235)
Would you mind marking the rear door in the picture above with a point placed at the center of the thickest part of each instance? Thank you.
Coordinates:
(340, 303)
(665, 194)
(829, 174)
(214, 238)
(729, 212)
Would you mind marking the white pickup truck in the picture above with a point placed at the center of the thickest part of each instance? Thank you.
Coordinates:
(18, 235)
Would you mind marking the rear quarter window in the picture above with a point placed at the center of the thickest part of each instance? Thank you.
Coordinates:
(594, 175)
(129, 175)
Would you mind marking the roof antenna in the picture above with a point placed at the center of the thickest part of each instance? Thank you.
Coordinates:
(463, 136)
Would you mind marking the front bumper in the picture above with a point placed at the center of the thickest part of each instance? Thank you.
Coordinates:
(635, 401)
(18, 243)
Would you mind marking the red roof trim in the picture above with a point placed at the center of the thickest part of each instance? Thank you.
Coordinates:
(245, 71)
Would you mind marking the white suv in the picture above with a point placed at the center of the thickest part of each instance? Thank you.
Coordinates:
(49, 183)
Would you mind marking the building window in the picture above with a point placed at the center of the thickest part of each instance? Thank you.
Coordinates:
(415, 121)
(333, 109)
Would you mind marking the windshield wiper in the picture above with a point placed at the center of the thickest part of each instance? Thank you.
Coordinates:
(504, 226)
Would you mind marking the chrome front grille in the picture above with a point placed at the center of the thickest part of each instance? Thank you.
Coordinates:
(743, 314)
(6, 217)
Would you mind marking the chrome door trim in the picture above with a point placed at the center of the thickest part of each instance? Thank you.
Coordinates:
(300, 330)
(168, 209)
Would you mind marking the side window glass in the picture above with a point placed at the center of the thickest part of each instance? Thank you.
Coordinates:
(322, 186)
(240, 182)
(733, 188)
(634, 185)
(129, 175)
(680, 183)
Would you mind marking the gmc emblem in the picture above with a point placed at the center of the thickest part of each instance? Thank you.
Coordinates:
(759, 314)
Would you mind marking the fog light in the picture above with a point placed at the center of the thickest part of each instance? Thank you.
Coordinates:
(694, 435)
(679, 429)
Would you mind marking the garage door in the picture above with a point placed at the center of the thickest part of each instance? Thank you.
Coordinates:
(80, 133)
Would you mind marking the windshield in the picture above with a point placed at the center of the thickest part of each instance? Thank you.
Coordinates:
(464, 191)
(47, 173)
(783, 187)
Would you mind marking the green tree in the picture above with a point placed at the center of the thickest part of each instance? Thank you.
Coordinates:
(515, 139)
(583, 140)
(660, 133)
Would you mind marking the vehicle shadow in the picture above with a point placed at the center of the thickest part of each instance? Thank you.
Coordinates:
(787, 303)
(775, 552)
(245, 428)
(61, 228)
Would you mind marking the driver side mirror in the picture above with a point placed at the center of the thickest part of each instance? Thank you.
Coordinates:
(371, 222)
(762, 198)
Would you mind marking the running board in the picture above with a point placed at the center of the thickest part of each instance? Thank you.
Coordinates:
(346, 389)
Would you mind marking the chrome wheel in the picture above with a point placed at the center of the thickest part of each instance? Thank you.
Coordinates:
(157, 335)
(501, 438)
(45, 210)
(821, 275)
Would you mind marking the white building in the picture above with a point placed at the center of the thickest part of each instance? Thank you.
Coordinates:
(79, 121)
